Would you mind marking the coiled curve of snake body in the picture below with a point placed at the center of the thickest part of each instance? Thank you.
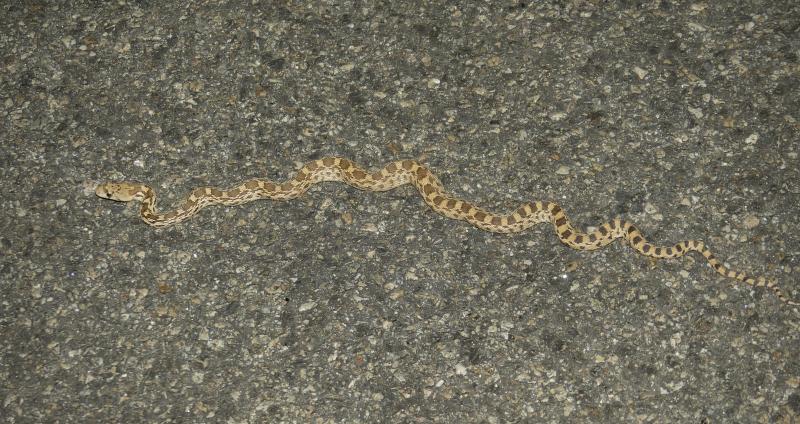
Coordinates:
(404, 172)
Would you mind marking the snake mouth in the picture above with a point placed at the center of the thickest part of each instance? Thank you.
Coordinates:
(101, 191)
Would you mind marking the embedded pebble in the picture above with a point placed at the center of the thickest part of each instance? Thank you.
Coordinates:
(307, 306)
(751, 221)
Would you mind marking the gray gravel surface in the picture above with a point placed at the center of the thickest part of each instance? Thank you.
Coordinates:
(346, 306)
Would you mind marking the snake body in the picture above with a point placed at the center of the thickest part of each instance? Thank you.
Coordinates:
(403, 172)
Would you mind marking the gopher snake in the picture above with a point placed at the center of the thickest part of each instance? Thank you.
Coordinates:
(403, 172)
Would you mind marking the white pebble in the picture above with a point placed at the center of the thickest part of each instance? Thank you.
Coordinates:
(751, 221)
(306, 306)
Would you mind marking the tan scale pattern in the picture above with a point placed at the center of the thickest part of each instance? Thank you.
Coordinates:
(404, 172)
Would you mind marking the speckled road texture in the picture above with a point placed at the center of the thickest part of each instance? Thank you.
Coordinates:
(346, 306)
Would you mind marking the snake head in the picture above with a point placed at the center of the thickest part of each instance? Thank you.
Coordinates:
(121, 192)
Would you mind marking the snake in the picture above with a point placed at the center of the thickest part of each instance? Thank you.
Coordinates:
(398, 173)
